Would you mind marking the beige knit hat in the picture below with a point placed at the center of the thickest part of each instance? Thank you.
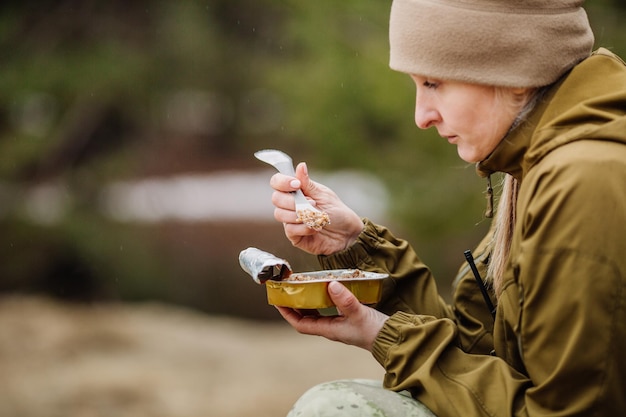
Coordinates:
(525, 43)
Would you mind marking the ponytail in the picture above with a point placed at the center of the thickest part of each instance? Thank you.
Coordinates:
(503, 232)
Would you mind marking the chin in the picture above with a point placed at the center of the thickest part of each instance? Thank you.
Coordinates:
(468, 156)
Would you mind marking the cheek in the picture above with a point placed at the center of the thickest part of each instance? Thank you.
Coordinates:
(487, 125)
(462, 116)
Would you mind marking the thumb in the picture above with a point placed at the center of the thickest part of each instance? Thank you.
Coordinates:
(302, 173)
(346, 302)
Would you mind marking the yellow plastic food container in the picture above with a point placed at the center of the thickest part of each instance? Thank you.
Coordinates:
(312, 291)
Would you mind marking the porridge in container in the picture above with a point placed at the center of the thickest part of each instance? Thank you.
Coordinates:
(307, 290)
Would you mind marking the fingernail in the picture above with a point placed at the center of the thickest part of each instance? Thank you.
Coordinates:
(334, 287)
(295, 183)
(306, 169)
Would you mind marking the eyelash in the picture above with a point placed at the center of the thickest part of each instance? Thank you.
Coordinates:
(429, 84)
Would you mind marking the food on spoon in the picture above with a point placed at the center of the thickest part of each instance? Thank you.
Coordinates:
(314, 219)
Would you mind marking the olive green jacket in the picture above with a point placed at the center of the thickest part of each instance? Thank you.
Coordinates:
(559, 337)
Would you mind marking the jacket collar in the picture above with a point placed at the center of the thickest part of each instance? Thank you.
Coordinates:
(509, 155)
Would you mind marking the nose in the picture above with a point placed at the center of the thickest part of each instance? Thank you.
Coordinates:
(425, 114)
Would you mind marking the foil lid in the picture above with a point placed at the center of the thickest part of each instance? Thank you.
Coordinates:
(262, 266)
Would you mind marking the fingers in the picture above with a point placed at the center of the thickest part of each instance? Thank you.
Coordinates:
(345, 301)
(282, 197)
(285, 207)
(303, 324)
(289, 314)
(296, 231)
(284, 183)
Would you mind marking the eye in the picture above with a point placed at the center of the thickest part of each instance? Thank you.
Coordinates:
(430, 84)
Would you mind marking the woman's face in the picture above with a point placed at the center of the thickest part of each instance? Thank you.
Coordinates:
(472, 117)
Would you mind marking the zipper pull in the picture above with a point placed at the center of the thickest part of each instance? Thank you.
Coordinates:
(489, 196)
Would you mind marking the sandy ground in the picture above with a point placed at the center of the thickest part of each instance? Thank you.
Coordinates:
(60, 360)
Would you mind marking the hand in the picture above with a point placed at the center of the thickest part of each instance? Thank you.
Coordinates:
(357, 324)
(345, 225)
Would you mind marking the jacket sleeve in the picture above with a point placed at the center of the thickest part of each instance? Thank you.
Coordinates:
(419, 355)
(411, 287)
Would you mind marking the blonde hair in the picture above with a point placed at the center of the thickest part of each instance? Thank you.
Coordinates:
(504, 223)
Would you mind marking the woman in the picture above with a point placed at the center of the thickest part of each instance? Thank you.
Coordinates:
(515, 86)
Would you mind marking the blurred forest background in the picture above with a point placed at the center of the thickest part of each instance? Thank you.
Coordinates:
(98, 96)
(127, 133)
(104, 105)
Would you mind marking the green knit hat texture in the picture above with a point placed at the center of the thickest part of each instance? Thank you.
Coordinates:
(527, 43)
